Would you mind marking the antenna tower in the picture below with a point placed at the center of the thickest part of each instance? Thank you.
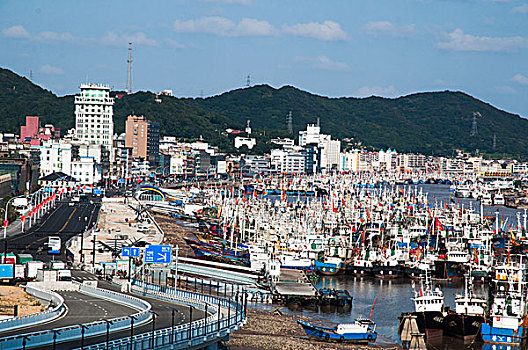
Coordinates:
(129, 75)
(289, 120)
(248, 80)
(30, 75)
(474, 130)
(318, 121)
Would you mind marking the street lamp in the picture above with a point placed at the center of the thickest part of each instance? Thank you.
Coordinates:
(6, 223)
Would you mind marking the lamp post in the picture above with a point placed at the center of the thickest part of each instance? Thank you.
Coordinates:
(132, 319)
(153, 328)
(6, 223)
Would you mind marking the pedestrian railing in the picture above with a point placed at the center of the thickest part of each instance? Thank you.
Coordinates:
(227, 315)
(82, 331)
(56, 309)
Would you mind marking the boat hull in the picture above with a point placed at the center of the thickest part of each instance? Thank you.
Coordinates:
(328, 335)
(495, 335)
(431, 323)
(461, 326)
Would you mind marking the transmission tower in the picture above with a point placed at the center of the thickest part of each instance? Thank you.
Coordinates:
(30, 75)
(248, 80)
(494, 142)
(289, 120)
(474, 130)
(129, 75)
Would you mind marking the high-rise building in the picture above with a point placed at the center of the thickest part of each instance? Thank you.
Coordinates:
(142, 136)
(94, 111)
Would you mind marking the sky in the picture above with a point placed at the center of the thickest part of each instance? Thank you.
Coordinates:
(332, 48)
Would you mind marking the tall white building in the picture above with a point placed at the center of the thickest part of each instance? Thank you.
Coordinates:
(94, 111)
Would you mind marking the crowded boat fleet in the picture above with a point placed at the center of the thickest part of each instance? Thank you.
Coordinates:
(353, 224)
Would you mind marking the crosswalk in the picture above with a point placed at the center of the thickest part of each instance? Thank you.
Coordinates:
(81, 279)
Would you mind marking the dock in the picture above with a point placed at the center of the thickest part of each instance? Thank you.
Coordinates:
(294, 286)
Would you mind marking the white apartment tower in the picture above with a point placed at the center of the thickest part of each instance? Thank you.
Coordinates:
(94, 111)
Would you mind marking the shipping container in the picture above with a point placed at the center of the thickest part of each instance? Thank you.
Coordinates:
(24, 258)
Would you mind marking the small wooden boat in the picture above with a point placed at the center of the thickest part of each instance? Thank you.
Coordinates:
(361, 331)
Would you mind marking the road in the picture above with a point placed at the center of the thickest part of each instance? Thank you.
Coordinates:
(65, 220)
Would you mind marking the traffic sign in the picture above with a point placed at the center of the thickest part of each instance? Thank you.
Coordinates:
(132, 252)
(158, 254)
(54, 245)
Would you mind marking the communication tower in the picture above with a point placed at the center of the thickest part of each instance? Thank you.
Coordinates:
(494, 142)
(248, 80)
(129, 75)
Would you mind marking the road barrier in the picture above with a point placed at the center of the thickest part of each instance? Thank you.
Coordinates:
(39, 339)
(228, 315)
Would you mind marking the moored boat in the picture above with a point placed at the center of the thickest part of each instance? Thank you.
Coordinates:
(361, 331)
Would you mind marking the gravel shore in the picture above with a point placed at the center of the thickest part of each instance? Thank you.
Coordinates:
(271, 331)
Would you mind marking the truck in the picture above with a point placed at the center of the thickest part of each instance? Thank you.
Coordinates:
(23, 258)
(64, 275)
(58, 265)
(20, 272)
(32, 267)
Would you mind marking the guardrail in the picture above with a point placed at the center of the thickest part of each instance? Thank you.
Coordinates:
(52, 313)
(229, 315)
(39, 339)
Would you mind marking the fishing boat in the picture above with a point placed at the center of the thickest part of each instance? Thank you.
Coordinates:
(330, 266)
(507, 321)
(429, 309)
(469, 313)
(361, 331)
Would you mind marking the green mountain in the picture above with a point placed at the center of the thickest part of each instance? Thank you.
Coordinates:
(429, 123)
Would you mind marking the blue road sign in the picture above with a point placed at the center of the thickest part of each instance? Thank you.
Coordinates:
(97, 191)
(121, 181)
(158, 254)
(129, 252)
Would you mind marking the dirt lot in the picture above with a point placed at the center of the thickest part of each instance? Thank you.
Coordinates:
(174, 234)
(10, 295)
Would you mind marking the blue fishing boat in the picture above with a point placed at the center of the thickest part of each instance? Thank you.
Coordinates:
(361, 331)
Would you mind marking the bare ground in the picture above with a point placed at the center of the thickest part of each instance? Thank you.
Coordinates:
(270, 331)
(11, 295)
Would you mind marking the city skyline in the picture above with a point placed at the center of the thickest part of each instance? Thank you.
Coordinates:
(383, 48)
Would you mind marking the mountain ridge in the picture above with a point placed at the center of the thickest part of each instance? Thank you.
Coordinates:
(426, 122)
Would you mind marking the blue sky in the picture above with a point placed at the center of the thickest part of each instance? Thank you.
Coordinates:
(333, 48)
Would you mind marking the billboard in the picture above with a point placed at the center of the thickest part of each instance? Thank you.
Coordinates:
(7, 271)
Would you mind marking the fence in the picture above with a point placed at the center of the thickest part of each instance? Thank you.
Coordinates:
(84, 330)
(229, 315)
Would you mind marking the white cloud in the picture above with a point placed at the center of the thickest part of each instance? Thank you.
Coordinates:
(322, 62)
(458, 41)
(254, 27)
(523, 9)
(505, 90)
(138, 38)
(238, 2)
(328, 30)
(53, 36)
(377, 91)
(521, 79)
(208, 25)
(49, 69)
(225, 27)
(17, 31)
(385, 28)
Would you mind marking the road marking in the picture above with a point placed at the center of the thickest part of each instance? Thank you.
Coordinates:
(63, 227)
